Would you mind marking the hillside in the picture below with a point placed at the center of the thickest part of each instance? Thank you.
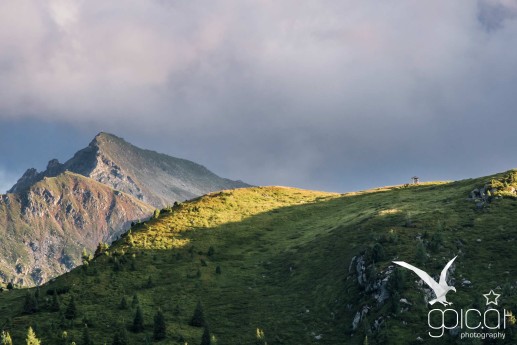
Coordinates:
(49, 217)
(154, 178)
(45, 229)
(302, 267)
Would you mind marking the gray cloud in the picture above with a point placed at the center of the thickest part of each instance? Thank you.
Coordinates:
(335, 95)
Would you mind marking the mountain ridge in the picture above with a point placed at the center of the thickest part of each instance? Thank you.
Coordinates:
(155, 178)
(105, 186)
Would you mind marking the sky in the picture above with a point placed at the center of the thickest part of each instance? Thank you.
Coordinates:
(334, 95)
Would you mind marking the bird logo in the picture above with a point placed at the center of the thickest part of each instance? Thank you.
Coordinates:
(441, 288)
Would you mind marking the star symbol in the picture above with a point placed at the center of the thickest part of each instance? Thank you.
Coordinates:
(491, 297)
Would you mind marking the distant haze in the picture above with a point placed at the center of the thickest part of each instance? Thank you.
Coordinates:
(331, 95)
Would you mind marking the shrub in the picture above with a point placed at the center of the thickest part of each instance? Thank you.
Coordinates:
(421, 255)
(397, 281)
(378, 252)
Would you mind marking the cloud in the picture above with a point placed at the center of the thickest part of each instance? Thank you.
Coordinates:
(291, 92)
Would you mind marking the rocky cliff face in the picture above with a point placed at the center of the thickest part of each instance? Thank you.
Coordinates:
(154, 178)
(45, 228)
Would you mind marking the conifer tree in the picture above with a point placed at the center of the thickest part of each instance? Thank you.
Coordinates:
(198, 319)
(71, 310)
(205, 338)
(55, 305)
(6, 338)
(138, 321)
(31, 338)
(30, 305)
(123, 303)
(87, 340)
(260, 337)
(63, 338)
(120, 337)
(135, 301)
(160, 327)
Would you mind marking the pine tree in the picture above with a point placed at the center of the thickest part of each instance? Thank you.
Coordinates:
(365, 342)
(218, 270)
(10, 286)
(135, 301)
(198, 319)
(62, 323)
(160, 328)
(30, 305)
(149, 283)
(87, 340)
(55, 305)
(63, 338)
(120, 337)
(205, 338)
(71, 310)
(138, 321)
(31, 338)
(260, 337)
(123, 303)
(6, 338)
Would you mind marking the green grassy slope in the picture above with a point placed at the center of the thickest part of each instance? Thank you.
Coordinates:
(284, 256)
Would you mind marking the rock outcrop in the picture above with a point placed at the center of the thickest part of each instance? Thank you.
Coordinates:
(45, 229)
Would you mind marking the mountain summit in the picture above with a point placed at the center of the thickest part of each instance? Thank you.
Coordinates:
(48, 218)
(154, 178)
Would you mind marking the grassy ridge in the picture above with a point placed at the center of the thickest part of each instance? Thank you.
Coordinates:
(284, 257)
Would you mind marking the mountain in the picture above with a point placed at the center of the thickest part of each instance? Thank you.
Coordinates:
(154, 178)
(288, 266)
(45, 228)
(49, 217)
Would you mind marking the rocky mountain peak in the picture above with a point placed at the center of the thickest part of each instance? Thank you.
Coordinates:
(92, 197)
(54, 167)
(152, 177)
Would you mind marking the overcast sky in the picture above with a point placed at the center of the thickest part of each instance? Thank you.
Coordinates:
(333, 95)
